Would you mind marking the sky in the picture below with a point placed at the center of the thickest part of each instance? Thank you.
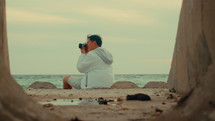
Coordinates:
(43, 35)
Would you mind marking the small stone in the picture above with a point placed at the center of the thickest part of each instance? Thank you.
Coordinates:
(125, 109)
(172, 90)
(103, 102)
(163, 103)
(170, 96)
(119, 99)
(70, 95)
(48, 105)
(158, 110)
(100, 98)
(110, 100)
(42, 85)
(75, 119)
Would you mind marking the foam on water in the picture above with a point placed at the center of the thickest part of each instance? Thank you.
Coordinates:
(140, 79)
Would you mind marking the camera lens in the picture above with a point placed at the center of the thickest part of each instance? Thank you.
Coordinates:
(80, 45)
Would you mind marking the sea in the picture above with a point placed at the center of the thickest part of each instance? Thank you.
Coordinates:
(140, 79)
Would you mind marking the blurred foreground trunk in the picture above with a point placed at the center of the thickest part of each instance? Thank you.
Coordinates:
(193, 66)
(14, 103)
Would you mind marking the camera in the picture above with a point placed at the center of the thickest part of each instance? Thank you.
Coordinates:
(84, 45)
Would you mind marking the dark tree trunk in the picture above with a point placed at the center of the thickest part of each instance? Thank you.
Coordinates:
(193, 66)
(15, 105)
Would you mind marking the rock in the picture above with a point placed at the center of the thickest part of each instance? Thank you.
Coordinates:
(75, 119)
(124, 85)
(170, 96)
(48, 105)
(42, 85)
(119, 99)
(172, 90)
(138, 96)
(154, 84)
(158, 110)
(102, 101)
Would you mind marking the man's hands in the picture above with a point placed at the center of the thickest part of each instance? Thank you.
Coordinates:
(84, 50)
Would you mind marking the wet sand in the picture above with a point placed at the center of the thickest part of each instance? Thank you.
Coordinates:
(162, 101)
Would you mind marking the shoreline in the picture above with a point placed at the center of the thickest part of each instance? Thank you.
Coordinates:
(119, 110)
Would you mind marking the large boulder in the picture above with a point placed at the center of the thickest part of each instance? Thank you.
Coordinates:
(42, 85)
(156, 84)
(124, 85)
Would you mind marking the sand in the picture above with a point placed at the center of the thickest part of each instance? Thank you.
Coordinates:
(119, 110)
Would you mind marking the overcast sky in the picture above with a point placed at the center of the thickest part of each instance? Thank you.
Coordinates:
(43, 35)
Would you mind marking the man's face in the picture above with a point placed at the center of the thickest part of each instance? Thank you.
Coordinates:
(90, 45)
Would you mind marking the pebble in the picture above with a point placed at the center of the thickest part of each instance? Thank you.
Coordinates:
(48, 105)
(75, 119)
(172, 90)
(119, 99)
(158, 110)
(170, 96)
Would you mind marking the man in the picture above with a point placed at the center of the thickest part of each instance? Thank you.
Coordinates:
(96, 63)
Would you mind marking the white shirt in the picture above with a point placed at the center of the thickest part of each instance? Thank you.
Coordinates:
(97, 66)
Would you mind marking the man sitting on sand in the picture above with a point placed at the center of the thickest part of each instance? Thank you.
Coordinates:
(95, 62)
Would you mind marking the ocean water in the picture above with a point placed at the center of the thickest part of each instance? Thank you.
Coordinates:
(140, 79)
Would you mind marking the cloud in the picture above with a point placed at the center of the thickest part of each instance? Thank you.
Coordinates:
(29, 39)
(117, 15)
(117, 4)
(26, 16)
(42, 39)
(158, 4)
(126, 11)
(118, 39)
(121, 39)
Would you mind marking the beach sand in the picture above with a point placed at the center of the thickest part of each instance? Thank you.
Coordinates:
(162, 101)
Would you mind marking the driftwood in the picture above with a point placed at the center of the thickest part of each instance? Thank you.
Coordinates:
(15, 105)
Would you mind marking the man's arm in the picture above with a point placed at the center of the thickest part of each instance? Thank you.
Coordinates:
(86, 61)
